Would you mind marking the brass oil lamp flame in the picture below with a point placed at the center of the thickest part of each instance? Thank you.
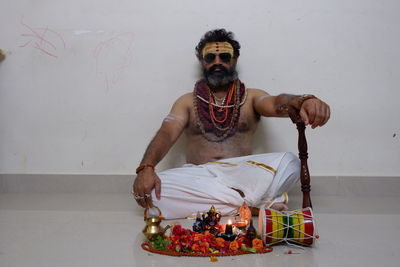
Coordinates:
(153, 226)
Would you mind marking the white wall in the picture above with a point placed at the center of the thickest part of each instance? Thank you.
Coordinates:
(86, 84)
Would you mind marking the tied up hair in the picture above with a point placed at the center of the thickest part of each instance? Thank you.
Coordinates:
(218, 35)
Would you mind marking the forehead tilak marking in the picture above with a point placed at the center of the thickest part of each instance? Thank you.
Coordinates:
(218, 47)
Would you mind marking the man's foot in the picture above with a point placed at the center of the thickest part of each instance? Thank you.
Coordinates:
(280, 206)
(254, 211)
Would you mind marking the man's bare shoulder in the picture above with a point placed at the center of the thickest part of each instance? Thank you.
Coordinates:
(183, 104)
(186, 97)
(185, 100)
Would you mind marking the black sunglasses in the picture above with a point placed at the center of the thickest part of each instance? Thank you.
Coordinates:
(210, 57)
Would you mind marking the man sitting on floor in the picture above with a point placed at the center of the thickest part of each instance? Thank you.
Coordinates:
(219, 118)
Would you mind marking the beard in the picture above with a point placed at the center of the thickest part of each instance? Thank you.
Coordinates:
(220, 78)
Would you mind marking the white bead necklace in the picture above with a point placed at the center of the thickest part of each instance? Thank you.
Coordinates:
(222, 104)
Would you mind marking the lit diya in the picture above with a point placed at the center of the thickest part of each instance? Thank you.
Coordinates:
(228, 234)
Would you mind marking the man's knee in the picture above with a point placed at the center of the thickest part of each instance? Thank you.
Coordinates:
(291, 161)
(291, 169)
(290, 156)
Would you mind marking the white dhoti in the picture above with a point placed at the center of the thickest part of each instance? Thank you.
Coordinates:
(264, 179)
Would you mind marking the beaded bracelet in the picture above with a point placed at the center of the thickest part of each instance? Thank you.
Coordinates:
(142, 167)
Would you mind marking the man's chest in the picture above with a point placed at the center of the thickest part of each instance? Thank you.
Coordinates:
(246, 122)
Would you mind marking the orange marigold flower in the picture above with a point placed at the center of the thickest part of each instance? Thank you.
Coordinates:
(205, 245)
(257, 243)
(220, 242)
(213, 259)
(196, 247)
(234, 246)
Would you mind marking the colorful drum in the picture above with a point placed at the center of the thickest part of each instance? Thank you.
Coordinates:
(292, 226)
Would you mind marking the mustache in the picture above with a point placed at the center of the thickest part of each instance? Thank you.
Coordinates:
(222, 68)
(219, 78)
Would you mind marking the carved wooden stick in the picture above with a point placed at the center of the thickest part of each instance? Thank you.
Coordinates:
(303, 155)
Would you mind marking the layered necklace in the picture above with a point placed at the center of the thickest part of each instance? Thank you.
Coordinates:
(218, 118)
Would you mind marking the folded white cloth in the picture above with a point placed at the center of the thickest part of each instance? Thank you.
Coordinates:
(263, 179)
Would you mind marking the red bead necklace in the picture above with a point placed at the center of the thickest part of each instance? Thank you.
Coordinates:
(228, 101)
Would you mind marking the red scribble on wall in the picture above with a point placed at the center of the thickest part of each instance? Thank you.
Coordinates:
(113, 57)
(46, 40)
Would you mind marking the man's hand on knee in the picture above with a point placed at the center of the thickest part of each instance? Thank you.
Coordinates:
(144, 183)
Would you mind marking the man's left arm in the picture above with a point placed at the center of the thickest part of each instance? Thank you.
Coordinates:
(313, 111)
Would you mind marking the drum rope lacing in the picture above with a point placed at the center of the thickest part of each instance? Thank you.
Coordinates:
(287, 226)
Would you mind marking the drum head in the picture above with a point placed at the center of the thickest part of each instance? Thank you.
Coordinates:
(261, 223)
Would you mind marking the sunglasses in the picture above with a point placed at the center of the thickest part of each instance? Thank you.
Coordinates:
(210, 57)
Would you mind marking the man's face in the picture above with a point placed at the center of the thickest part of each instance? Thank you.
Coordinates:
(219, 65)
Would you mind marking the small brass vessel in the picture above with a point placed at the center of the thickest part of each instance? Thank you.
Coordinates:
(153, 226)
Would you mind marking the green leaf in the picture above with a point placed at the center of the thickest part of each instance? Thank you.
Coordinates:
(252, 250)
(160, 243)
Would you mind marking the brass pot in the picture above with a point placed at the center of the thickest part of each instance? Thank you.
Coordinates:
(153, 226)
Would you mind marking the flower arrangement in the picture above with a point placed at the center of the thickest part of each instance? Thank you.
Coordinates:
(185, 242)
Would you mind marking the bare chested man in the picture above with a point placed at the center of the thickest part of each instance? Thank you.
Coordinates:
(219, 118)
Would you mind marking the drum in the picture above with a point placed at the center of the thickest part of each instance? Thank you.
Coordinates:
(292, 226)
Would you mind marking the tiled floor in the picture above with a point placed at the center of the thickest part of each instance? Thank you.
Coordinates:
(105, 230)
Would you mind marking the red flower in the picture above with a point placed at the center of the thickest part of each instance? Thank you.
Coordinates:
(176, 230)
(244, 240)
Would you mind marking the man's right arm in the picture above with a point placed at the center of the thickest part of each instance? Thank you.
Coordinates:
(171, 128)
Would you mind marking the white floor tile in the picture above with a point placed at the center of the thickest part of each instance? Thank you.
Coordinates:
(105, 230)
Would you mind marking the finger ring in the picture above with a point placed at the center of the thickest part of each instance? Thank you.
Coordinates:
(137, 197)
(147, 195)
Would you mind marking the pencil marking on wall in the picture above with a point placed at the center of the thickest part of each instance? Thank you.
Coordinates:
(113, 57)
(45, 40)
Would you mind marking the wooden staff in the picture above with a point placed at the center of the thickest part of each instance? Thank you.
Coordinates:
(303, 155)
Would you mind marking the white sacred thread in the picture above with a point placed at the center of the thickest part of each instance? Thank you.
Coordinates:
(220, 106)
